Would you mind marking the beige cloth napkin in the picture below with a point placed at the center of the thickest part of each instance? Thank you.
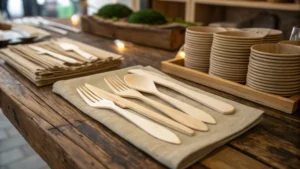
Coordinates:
(174, 156)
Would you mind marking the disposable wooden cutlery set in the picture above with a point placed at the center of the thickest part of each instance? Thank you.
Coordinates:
(46, 62)
(184, 119)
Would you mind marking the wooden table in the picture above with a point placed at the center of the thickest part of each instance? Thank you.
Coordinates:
(66, 138)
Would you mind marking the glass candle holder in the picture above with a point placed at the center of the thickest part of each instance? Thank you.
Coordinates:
(295, 34)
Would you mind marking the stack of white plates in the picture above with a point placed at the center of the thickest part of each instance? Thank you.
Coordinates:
(272, 35)
(275, 69)
(230, 54)
(198, 41)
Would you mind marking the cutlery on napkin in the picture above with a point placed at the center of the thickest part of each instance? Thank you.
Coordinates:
(121, 89)
(191, 149)
(71, 47)
(124, 103)
(208, 101)
(34, 22)
(145, 84)
(53, 54)
(148, 126)
(56, 24)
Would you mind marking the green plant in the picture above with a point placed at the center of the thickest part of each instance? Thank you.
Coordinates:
(181, 21)
(147, 16)
(114, 11)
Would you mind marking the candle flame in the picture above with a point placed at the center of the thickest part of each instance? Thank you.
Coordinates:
(181, 54)
(75, 20)
(120, 44)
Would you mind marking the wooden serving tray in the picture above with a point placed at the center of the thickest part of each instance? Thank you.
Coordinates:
(287, 105)
(169, 36)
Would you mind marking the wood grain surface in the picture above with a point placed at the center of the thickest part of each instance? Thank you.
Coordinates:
(66, 138)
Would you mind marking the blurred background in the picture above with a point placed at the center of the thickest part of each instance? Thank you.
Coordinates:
(56, 8)
(15, 153)
(277, 14)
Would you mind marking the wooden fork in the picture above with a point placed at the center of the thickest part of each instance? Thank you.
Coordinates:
(148, 126)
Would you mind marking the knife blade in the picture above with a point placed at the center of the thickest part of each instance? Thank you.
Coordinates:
(124, 103)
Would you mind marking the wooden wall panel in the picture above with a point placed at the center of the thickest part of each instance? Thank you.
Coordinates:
(170, 9)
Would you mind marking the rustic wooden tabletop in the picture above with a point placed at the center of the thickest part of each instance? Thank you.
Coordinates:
(67, 138)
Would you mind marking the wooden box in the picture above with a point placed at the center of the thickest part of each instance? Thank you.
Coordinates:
(169, 37)
(287, 105)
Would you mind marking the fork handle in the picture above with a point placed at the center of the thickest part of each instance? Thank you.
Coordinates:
(148, 126)
(177, 115)
(161, 119)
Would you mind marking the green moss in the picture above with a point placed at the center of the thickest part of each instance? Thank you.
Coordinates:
(114, 11)
(181, 21)
(115, 19)
(147, 16)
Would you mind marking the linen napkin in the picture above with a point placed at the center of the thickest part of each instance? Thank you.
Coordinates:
(180, 156)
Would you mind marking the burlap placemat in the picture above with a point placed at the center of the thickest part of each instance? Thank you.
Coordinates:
(174, 156)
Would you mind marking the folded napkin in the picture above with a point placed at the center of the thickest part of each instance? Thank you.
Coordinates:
(43, 69)
(192, 148)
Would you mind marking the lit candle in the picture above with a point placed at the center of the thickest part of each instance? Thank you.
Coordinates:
(120, 44)
(181, 53)
(75, 20)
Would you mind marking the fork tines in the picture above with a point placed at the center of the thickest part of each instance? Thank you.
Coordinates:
(85, 93)
(116, 83)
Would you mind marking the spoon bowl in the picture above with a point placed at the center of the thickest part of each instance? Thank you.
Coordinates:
(71, 47)
(140, 83)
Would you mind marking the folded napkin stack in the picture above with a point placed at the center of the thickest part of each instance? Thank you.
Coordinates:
(31, 30)
(192, 148)
(43, 69)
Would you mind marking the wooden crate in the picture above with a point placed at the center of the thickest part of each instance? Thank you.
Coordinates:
(165, 37)
(287, 105)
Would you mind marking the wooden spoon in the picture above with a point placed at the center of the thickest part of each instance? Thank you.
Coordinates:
(147, 85)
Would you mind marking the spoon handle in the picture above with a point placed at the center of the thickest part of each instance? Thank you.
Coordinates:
(188, 109)
(84, 54)
(177, 115)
